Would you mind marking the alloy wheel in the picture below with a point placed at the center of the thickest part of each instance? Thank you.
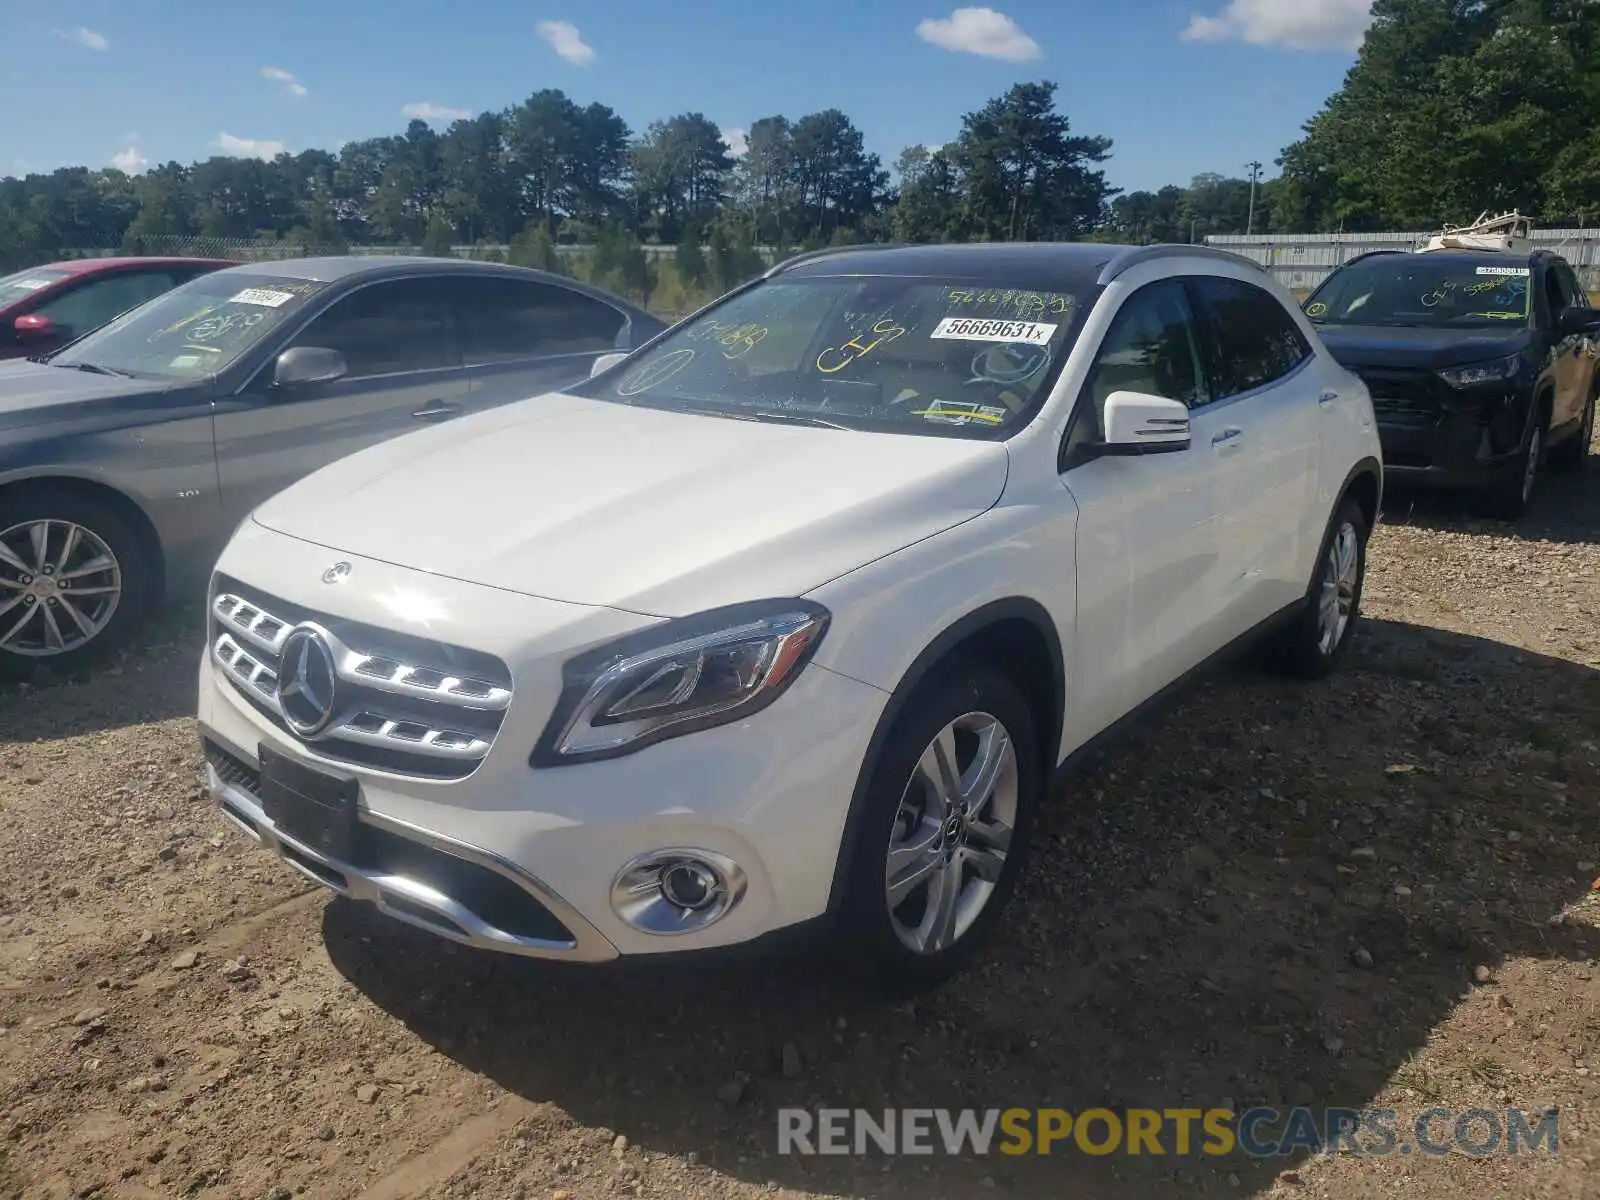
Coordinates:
(952, 833)
(1530, 469)
(1341, 573)
(60, 585)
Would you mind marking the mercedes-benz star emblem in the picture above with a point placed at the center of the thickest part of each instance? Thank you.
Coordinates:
(307, 681)
(336, 573)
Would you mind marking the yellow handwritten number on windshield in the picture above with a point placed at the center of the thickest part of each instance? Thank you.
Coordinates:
(886, 331)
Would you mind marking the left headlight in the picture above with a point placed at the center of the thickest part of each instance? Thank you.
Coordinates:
(679, 677)
(1484, 372)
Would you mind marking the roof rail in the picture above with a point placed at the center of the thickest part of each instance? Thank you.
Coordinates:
(826, 252)
(1129, 259)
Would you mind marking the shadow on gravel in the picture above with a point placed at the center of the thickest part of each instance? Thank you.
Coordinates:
(1566, 509)
(1186, 937)
(151, 680)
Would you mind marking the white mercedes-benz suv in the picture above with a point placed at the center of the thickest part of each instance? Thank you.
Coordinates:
(786, 621)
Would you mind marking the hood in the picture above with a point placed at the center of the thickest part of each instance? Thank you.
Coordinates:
(1420, 348)
(34, 392)
(661, 513)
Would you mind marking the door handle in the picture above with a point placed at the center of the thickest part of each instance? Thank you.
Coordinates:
(437, 408)
(1227, 435)
(1327, 398)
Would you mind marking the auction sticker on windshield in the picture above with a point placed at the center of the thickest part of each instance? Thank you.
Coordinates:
(975, 329)
(1504, 271)
(263, 296)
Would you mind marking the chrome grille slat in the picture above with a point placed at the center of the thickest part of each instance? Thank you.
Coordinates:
(393, 711)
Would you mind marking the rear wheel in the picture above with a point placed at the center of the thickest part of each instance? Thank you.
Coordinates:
(1314, 644)
(74, 582)
(940, 844)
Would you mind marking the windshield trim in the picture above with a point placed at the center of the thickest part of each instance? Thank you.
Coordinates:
(1087, 297)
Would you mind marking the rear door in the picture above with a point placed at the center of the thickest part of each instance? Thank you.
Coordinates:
(1572, 361)
(403, 371)
(1267, 401)
(521, 337)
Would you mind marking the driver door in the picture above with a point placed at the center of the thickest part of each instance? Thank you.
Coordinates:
(403, 372)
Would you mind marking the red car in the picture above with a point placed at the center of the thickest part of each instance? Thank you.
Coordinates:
(45, 307)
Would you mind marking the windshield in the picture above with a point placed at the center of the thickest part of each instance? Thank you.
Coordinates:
(1422, 290)
(24, 283)
(197, 329)
(907, 355)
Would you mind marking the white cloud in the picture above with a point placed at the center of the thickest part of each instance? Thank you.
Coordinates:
(89, 39)
(563, 38)
(424, 111)
(980, 31)
(737, 141)
(291, 85)
(1291, 24)
(238, 147)
(130, 159)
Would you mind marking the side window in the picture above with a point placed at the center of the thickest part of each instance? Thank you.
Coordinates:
(1251, 338)
(1558, 297)
(1577, 295)
(387, 328)
(1151, 348)
(506, 319)
(92, 304)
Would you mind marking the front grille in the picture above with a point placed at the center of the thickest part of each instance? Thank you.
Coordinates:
(1405, 397)
(401, 703)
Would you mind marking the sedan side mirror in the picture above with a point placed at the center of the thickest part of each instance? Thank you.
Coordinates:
(302, 365)
(34, 328)
(1140, 424)
(605, 362)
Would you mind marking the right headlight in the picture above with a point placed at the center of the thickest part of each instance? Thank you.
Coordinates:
(678, 677)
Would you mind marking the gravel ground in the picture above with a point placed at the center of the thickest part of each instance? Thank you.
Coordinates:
(1376, 891)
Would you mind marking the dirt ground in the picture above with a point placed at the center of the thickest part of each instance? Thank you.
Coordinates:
(1375, 891)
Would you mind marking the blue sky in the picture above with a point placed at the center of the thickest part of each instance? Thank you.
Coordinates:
(1181, 86)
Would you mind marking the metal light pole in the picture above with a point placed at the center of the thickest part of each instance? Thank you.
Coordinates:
(1255, 174)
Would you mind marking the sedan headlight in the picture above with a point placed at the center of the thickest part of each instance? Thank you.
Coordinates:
(1485, 372)
(678, 677)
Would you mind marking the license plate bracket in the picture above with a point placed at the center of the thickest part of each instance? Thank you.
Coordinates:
(313, 807)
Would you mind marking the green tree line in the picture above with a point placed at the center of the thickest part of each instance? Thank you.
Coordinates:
(1453, 106)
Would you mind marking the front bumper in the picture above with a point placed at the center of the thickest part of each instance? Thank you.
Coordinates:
(769, 793)
(1459, 448)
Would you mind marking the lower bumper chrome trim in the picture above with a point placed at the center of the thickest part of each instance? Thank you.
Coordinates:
(410, 900)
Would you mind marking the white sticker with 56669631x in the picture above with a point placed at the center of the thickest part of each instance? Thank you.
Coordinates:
(1504, 271)
(265, 297)
(979, 329)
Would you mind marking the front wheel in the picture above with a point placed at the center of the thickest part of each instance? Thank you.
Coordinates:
(74, 583)
(948, 814)
(1512, 496)
(1574, 454)
(1312, 647)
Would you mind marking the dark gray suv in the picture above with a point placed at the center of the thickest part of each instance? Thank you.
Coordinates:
(127, 457)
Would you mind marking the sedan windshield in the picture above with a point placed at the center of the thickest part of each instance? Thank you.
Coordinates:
(197, 329)
(1423, 290)
(906, 355)
(25, 283)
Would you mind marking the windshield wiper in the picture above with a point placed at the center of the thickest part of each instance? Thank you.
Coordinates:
(798, 419)
(95, 369)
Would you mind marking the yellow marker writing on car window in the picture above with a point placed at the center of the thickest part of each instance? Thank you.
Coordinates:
(846, 354)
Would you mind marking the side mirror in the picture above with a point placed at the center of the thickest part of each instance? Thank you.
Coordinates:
(1140, 424)
(302, 365)
(33, 328)
(1573, 320)
(606, 361)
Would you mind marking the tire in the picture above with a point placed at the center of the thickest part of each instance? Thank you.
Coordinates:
(81, 533)
(963, 706)
(1510, 499)
(1573, 454)
(1316, 643)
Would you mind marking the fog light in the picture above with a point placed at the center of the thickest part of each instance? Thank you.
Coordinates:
(676, 890)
